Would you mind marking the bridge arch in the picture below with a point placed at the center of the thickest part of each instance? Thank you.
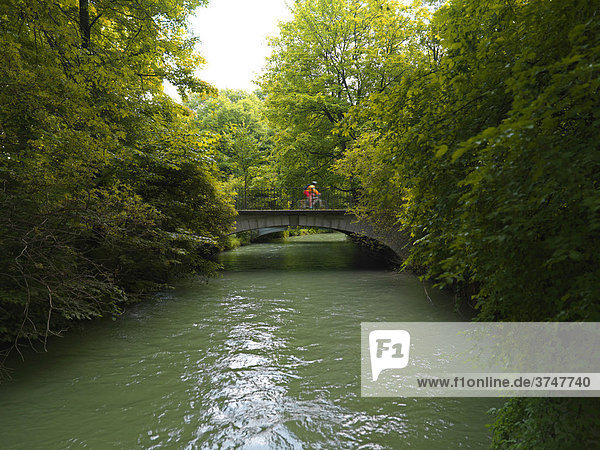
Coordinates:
(338, 220)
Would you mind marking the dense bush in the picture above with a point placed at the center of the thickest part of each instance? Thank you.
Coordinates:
(106, 192)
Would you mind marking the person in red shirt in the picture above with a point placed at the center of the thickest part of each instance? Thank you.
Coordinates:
(311, 193)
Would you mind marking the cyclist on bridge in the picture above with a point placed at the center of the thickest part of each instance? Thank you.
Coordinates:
(311, 193)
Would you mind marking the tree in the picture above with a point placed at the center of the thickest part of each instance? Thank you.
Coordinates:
(243, 139)
(444, 134)
(107, 193)
(327, 60)
(488, 156)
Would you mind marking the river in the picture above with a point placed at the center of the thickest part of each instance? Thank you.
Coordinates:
(265, 356)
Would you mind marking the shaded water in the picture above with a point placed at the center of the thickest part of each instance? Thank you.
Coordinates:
(267, 356)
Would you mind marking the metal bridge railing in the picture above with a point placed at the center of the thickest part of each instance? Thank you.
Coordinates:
(291, 198)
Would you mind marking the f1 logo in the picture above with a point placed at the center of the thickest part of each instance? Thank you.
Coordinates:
(389, 349)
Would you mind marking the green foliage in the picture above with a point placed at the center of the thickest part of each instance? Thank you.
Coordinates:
(488, 157)
(107, 192)
(553, 424)
(329, 58)
(235, 119)
(483, 146)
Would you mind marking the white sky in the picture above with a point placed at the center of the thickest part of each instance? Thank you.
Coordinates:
(233, 40)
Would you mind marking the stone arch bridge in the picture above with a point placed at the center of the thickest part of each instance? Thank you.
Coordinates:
(333, 219)
(271, 209)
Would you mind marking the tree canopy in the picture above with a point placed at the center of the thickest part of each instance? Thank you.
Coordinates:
(328, 59)
(107, 190)
(488, 157)
(244, 141)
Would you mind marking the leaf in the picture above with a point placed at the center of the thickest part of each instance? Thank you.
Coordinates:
(442, 149)
(458, 153)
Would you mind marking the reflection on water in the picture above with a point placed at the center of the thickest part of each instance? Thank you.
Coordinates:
(319, 252)
(267, 356)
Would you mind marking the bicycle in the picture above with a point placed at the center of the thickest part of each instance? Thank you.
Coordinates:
(317, 203)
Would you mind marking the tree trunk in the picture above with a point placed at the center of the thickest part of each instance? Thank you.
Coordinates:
(84, 23)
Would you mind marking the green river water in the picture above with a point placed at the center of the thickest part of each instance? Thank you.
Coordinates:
(266, 356)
